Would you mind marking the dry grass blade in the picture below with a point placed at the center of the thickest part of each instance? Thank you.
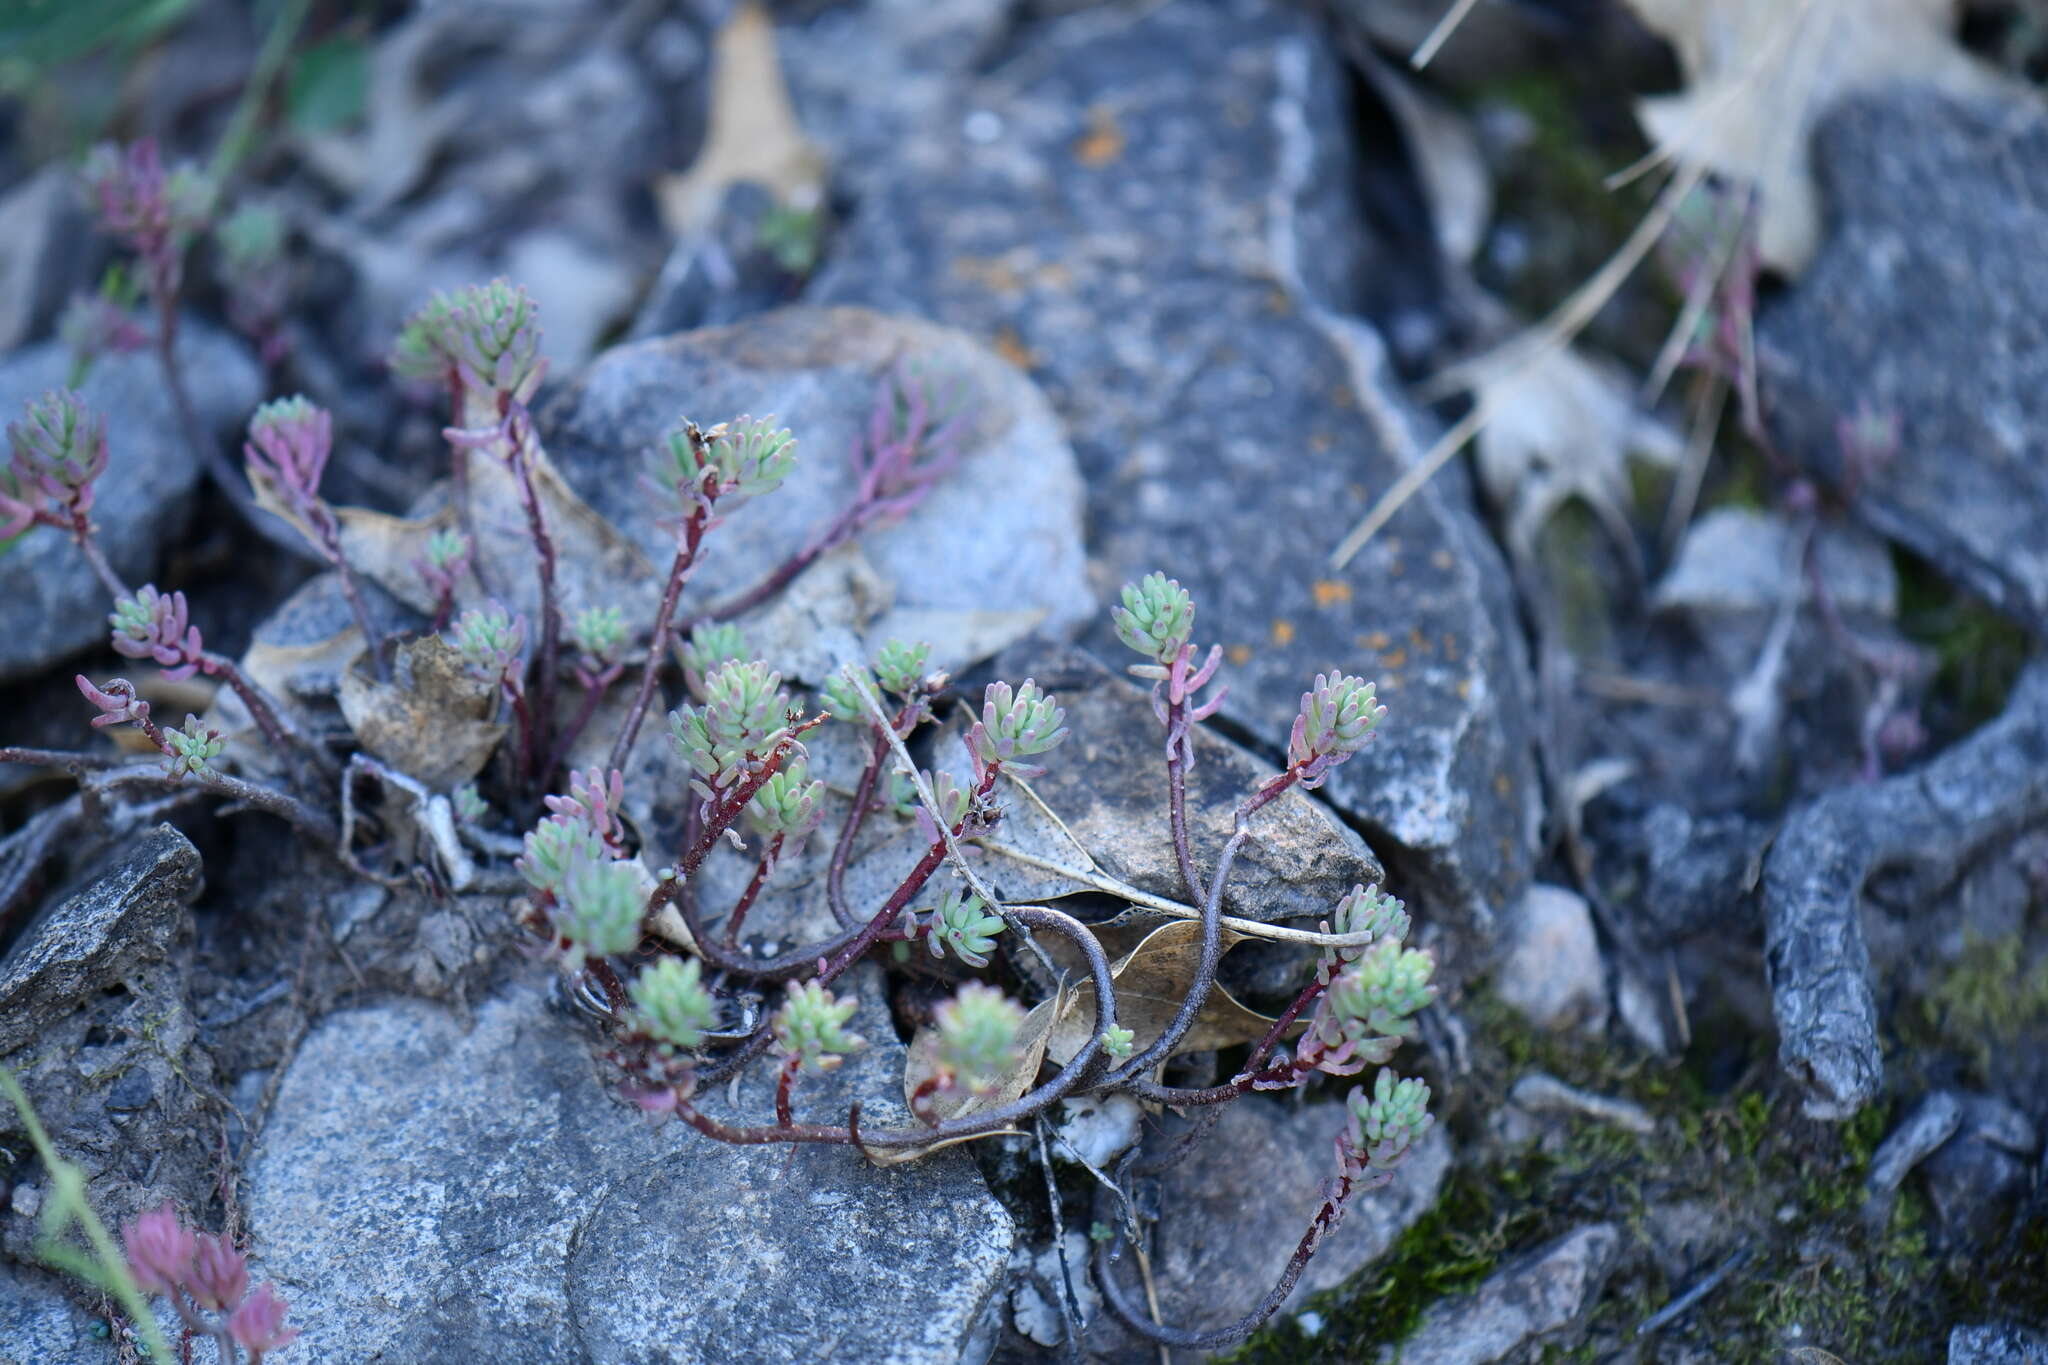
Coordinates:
(1441, 34)
(1554, 333)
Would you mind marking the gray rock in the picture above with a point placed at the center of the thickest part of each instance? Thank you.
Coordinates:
(1974, 1176)
(1996, 1344)
(1695, 871)
(42, 222)
(54, 605)
(992, 552)
(94, 1021)
(40, 1326)
(1537, 1295)
(1108, 786)
(1933, 1121)
(1155, 215)
(1551, 969)
(1232, 1213)
(429, 1192)
(1925, 302)
(1984, 788)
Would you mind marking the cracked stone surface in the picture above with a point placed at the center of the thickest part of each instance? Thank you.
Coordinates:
(95, 1022)
(1536, 1296)
(1928, 307)
(430, 1191)
(1155, 219)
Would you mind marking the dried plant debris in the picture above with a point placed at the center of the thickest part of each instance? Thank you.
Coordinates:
(1761, 75)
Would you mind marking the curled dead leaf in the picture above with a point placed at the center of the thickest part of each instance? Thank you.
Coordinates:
(1151, 981)
(432, 721)
(918, 1067)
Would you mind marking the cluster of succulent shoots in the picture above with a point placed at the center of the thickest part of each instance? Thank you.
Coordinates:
(206, 1281)
(670, 980)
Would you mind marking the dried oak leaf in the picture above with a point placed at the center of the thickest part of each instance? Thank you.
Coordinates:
(1151, 981)
(1762, 73)
(918, 1067)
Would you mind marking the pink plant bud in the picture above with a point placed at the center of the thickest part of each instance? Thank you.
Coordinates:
(157, 626)
(220, 1274)
(289, 441)
(59, 448)
(117, 702)
(160, 1250)
(258, 1325)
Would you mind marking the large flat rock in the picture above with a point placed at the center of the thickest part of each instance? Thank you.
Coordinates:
(430, 1191)
(1156, 219)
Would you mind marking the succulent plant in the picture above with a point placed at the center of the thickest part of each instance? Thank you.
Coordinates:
(157, 626)
(59, 448)
(485, 337)
(258, 1324)
(741, 720)
(963, 924)
(117, 702)
(554, 846)
(671, 1004)
(193, 749)
(470, 806)
(1364, 910)
(839, 699)
(710, 645)
(600, 906)
(160, 1250)
(789, 805)
(443, 561)
(596, 798)
(979, 1035)
(726, 465)
(1366, 1010)
(1016, 724)
(1338, 715)
(1380, 1129)
(220, 1274)
(489, 640)
(810, 1028)
(289, 442)
(1119, 1043)
(600, 633)
(153, 211)
(901, 666)
(951, 801)
(1157, 618)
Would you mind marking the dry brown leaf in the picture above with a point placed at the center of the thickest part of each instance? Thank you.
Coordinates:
(432, 721)
(1151, 981)
(754, 134)
(918, 1067)
(1762, 73)
(595, 564)
(1564, 427)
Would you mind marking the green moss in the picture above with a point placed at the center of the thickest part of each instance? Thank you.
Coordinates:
(1987, 998)
(1789, 1189)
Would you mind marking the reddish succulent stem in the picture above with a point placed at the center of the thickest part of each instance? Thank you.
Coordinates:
(1177, 796)
(921, 1100)
(253, 794)
(276, 729)
(762, 867)
(1282, 1024)
(657, 646)
(1134, 1315)
(81, 535)
(836, 532)
(218, 468)
(1212, 939)
(329, 531)
(856, 815)
(519, 430)
(784, 1083)
(522, 715)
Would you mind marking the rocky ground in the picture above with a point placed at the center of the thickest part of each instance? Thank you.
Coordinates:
(1727, 826)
